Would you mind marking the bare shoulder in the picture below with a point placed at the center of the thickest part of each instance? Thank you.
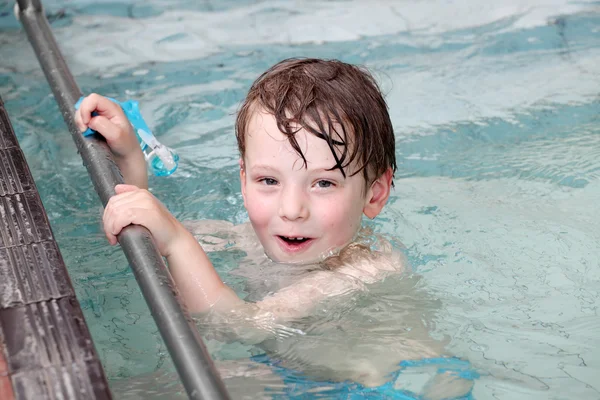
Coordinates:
(368, 264)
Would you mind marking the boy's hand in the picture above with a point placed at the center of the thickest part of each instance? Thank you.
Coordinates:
(132, 205)
(112, 123)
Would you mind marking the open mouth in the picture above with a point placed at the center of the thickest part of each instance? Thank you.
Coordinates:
(293, 240)
(292, 244)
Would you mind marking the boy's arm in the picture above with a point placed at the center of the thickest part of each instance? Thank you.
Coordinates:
(134, 169)
(196, 278)
(191, 269)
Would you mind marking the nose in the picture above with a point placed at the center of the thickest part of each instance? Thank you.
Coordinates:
(293, 203)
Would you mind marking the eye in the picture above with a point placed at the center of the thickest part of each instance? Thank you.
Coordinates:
(323, 184)
(268, 181)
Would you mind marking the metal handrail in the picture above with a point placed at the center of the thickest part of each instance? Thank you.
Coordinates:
(183, 341)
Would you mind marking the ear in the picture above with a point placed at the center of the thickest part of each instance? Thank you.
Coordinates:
(378, 194)
(243, 179)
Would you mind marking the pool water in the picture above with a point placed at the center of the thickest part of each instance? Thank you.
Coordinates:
(496, 111)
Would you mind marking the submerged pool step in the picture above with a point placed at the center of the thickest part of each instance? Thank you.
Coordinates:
(46, 350)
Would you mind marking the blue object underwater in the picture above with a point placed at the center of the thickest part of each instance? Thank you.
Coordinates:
(153, 150)
(299, 387)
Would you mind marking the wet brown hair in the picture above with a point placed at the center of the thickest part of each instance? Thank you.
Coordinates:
(337, 102)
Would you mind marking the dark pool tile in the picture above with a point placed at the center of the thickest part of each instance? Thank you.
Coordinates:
(8, 139)
(43, 334)
(81, 380)
(32, 273)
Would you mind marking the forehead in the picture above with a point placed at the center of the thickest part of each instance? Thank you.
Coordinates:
(265, 141)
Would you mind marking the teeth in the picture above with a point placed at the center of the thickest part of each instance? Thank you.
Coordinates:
(298, 238)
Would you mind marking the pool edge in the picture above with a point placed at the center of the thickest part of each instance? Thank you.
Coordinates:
(46, 349)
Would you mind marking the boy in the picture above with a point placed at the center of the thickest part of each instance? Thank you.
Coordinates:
(317, 151)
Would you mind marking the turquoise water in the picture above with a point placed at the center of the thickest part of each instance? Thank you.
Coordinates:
(495, 108)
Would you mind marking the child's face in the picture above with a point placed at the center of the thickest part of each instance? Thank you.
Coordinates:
(298, 213)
